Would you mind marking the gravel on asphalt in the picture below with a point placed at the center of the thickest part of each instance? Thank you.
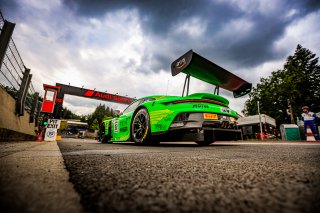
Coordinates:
(188, 178)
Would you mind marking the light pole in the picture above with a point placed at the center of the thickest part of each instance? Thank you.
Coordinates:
(290, 111)
(260, 122)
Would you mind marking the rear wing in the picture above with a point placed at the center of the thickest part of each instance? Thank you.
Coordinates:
(201, 68)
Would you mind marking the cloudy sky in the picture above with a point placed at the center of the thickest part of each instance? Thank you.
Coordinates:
(127, 47)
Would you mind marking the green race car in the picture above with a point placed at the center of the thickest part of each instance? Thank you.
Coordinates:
(200, 117)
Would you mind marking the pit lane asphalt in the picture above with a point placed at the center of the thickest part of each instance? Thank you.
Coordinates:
(183, 177)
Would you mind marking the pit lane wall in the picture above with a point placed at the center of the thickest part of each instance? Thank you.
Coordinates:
(12, 126)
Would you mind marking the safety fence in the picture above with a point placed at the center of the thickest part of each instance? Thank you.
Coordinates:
(12, 74)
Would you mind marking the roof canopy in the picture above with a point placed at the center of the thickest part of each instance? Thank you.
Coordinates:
(201, 68)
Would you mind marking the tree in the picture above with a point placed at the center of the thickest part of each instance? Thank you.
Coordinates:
(67, 114)
(95, 119)
(101, 113)
(89, 119)
(297, 84)
(301, 81)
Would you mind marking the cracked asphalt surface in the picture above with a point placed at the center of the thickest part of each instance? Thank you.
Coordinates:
(183, 177)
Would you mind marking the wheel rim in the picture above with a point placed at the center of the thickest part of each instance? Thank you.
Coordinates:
(139, 126)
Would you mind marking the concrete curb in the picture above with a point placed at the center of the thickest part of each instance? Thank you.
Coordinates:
(34, 179)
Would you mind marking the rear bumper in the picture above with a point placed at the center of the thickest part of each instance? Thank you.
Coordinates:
(193, 127)
(203, 134)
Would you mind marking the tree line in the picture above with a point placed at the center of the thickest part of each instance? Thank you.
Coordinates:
(287, 90)
(94, 119)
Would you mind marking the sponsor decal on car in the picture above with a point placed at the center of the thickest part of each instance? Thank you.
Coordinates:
(158, 115)
(200, 106)
(210, 116)
(115, 126)
(160, 127)
(181, 64)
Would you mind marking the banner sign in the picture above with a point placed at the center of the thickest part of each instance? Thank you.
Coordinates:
(86, 93)
(53, 123)
(51, 129)
(51, 134)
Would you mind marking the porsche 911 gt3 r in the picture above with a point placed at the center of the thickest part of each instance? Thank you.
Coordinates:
(200, 117)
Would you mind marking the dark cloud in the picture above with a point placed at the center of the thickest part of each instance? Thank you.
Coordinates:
(257, 46)
(157, 15)
(6, 6)
(154, 62)
(305, 6)
(53, 37)
(160, 17)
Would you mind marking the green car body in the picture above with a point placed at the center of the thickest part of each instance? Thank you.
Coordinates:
(200, 117)
(173, 118)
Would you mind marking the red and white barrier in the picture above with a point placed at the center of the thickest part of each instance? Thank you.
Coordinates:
(310, 136)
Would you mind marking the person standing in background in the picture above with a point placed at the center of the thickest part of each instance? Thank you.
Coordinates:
(309, 120)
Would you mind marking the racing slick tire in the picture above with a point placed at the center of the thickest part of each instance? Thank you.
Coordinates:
(140, 128)
(105, 138)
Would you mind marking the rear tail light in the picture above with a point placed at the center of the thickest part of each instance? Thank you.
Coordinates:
(197, 101)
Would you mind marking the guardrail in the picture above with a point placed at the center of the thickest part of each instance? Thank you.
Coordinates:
(15, 77)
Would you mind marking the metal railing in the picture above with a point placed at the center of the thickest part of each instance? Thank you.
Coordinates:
(12, 71)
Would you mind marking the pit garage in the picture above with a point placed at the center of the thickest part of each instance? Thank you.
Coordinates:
(250, 127)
